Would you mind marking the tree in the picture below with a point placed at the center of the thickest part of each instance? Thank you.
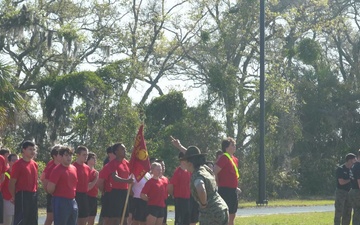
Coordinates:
(10, 99)
(169, 115)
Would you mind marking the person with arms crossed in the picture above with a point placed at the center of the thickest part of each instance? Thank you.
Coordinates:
(23, 186)
(62, 185)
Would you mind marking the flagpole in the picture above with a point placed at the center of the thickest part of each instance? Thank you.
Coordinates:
(126, 203)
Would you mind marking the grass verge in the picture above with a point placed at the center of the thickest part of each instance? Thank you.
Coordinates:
(286, 203)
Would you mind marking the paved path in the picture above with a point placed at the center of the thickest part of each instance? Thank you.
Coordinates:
(262, 211)
(283, 210)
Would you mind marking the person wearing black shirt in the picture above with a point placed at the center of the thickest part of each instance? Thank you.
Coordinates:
(354, 193)
(342, 201)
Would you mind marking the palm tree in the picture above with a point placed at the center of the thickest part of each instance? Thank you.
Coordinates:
(10, 99)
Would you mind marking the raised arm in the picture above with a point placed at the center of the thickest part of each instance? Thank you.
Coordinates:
(177, 144)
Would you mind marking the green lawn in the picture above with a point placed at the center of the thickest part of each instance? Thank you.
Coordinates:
(294, 202)
(285, 219)
(316, 218)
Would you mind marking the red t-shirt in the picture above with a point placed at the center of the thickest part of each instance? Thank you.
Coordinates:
(165, 180)
(65, 180)
(122, 169)
(49, 167)
(227, 175)
(26, 175)
(50, 163)
(94, 191)
(5, 186)
(83, 174)
(156, 192)
(3, 166)
(181, 182)
(107, 185)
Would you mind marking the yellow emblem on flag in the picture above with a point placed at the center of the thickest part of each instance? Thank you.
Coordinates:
(142, 154)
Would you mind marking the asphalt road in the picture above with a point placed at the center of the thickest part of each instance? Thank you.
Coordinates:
(264, 210)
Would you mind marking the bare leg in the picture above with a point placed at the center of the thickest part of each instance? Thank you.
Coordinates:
(231, 219)
(49, 218)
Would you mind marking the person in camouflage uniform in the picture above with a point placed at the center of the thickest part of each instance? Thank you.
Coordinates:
(213, 209)
(342, 201)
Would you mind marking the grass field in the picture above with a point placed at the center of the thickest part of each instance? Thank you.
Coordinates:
(292, 202)
(286, 219)
(315, 218)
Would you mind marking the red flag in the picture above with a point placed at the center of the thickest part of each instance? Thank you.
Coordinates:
(139, 161)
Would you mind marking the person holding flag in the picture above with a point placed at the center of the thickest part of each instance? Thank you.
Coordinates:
(118, 173)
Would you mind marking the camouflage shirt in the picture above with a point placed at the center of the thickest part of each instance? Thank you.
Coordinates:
(216, 210)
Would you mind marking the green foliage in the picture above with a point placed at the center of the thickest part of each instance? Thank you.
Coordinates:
(191, 125)
(309, 51)
(41, 192)
(165, 110)
(10, 99)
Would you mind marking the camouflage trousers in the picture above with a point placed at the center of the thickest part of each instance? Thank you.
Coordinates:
(354, 196)
(342, 208)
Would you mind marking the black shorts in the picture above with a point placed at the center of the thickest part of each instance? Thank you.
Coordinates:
(230, 197)
(105, 205)
(165, 211)
(131, 204)
(139, 207)
(1, 208)
(194, 210)
(83, 204)
(182, 210)
(48, 203)
(26, 208)
(156, 211)
(117, 202)
(92, 205)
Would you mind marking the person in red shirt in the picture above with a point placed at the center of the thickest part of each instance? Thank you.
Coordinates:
(179, 188)
(117, 172)
(154, 192)
(103, 185)
(23, 186)
(93, 192)
(226, 174)
(165, 180)
(4, 152)
(45, 178)
(83, 184)
(8, 204)
(194, 206)
(62, 185)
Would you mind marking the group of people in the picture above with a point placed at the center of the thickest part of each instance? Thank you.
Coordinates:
(202, 193)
